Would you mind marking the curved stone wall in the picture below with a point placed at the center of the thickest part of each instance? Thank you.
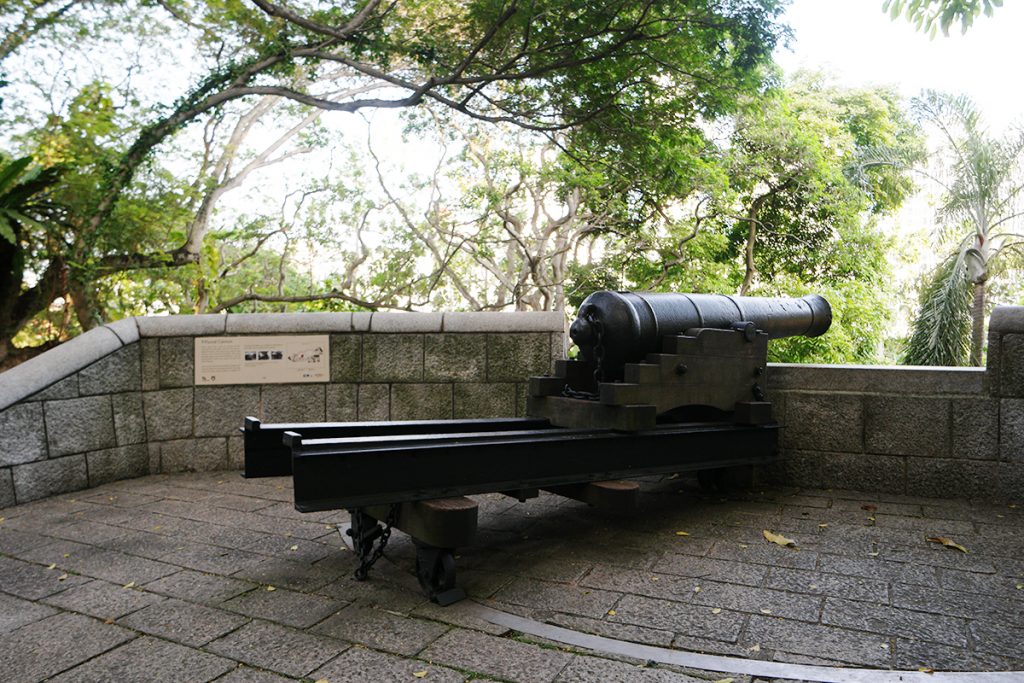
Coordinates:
(121, 401)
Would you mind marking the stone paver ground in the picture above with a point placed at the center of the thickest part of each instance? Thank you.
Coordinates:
(200, 577)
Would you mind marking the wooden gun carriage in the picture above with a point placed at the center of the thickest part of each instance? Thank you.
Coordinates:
(663, 383)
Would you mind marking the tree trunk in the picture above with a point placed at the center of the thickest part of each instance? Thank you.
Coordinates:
(87, 307)
(977, 323)
(748, 252)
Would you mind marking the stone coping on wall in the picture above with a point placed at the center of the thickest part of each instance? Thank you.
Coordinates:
(883, 379)
(47, 369)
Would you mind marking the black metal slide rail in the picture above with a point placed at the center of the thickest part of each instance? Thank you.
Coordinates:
(345, 473)
(267, 456)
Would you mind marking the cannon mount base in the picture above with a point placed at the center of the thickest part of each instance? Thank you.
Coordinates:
(721, 369)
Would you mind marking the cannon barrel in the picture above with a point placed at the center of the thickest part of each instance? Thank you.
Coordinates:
(629, 325)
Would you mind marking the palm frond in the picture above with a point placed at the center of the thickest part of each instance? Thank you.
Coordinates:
(941, 332)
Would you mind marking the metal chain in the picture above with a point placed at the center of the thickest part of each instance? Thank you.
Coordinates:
(598, 369)
(366, 562)
(598, 350)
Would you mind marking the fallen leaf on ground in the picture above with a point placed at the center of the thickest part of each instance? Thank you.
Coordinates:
(724, 680)
(823, 525)
(682, 533)
(756, 648)
(926, 669)
(717, 610)
(871, 518)
(778, 539)
(869, 507)
(62, 577)
(766, 611)
(875, 554)
(322, 680)
(270, 588)
(949, 543)
(419, 674)
(52, 566)
(612, 613)
(696, 589)
(294, 547)
(2, 519)
(1020, 586)
(130, 584)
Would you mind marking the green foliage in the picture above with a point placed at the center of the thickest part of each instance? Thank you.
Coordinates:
(861, 313)
(624, 87)
(980, 177)
(942, 328)
(786, 167)
(623, 102)
(932, 15)
(22, 200)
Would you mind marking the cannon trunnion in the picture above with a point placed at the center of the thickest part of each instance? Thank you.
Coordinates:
(641, 356)
(663, 383)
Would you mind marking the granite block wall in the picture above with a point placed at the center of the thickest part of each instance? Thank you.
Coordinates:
(948, 432)
(121, 401)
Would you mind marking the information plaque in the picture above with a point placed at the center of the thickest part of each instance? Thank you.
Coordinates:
(263, 359)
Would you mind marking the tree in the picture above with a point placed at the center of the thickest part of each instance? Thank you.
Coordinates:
(785, 210)
(614, 78)
(504, 237)
(24, 206)
(791, 157)
(931, 15)
(981, 180)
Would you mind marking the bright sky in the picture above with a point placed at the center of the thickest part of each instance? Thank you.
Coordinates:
(857, 42)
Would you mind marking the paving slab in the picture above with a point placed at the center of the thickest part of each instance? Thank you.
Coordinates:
(33, 581)
(283, 606)
(362, 665)
(207, 589)
(147, 659)
(587, 669)
(279, 649)
(45, 648)
(102, 600)
(245, 674)
(15, 612)
(503, 658)
(183, 622)
(382, 630)
(226, 581)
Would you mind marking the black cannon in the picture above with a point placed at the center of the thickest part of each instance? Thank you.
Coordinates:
(623, 327)
(642, 356)
(663, 383)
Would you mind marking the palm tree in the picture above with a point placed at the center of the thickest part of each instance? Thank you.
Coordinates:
(23, 205)
(982, 181)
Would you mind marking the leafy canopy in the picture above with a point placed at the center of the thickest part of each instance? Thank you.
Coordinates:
(932, 15)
